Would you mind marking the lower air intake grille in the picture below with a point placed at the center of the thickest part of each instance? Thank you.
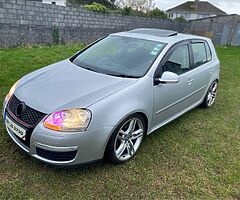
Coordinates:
(56, 156)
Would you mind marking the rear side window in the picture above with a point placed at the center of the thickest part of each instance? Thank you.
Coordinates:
(199, 53)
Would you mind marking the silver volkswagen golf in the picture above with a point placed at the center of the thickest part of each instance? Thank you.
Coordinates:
(103, 101)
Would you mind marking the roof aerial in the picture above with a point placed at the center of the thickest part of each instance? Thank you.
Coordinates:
(154, 32)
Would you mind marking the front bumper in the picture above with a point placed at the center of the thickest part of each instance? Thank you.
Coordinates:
(65, 149)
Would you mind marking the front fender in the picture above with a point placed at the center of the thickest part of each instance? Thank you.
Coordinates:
(111, 110)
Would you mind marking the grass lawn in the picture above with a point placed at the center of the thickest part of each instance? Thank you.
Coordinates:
(195, 157)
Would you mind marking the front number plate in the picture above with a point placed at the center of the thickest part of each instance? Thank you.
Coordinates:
(17, 130)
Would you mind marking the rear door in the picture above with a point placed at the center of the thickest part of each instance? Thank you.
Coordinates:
(202, 69)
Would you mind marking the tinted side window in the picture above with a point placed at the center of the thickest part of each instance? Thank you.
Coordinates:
(209, 53)
(178, 62)
(199, 54)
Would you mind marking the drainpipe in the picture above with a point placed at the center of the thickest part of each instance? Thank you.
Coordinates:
(231, 35)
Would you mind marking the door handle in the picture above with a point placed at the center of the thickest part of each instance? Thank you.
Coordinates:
(190, 80)
(211, 70)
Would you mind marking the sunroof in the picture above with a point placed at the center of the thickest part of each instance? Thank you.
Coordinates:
(155, 32)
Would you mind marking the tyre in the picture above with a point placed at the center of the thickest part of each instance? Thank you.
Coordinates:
(210, 96)
(126, 139)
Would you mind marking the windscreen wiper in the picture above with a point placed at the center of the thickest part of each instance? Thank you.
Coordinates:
(122, 75)
(88, 68)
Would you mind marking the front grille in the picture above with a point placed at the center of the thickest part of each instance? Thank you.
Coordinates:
(27, 120)
(56, 156)
(30, 116)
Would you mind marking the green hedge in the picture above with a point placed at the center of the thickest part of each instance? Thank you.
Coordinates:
(127, 11)
(97, 7)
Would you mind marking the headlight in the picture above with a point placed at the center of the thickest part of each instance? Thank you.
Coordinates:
(68, 120)
(12, 90)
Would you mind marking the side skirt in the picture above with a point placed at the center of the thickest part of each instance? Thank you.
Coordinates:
(175, 117)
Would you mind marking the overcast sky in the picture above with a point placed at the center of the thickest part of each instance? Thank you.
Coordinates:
(229, 6)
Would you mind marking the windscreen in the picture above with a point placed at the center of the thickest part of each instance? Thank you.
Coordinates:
(120, 56)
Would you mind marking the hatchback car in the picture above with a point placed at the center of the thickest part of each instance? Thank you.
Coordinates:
(102, 101)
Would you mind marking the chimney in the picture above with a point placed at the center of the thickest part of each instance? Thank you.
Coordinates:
(196, 3)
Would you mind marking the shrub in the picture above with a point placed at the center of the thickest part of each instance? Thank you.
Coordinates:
(180, 19)
(156, 13)
(97, 7)
(80, 3)
(127, 11)
(55, 35)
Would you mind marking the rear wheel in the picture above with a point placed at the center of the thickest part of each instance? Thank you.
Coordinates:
(211, 95)
(126, 139)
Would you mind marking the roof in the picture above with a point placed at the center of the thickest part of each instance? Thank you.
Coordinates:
(198, 7)
(168, 41)
(155, 32)
(147, 35)
(227, 17)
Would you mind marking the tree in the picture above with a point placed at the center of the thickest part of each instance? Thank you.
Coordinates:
(139, 5)
(77, 3)
(157, 13)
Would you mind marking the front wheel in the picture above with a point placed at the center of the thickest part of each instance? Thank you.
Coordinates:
(126, 139)
(211, 95)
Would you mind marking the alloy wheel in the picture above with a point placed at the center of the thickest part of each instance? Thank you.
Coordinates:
(212, 94)
(128, 139)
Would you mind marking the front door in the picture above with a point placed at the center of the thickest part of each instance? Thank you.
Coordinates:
(171, 100)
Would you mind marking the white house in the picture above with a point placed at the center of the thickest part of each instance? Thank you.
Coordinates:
(57, 2)
(191, 10)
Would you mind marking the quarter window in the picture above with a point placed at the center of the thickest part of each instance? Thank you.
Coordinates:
(209, 54)
(199, 54)
(178, 62)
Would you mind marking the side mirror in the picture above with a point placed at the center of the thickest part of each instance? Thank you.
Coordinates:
(168, 78)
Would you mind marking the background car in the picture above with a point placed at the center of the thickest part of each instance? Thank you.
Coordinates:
(103, 101)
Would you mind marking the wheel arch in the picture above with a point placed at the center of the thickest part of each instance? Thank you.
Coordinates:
(145, 120)
(142, 114)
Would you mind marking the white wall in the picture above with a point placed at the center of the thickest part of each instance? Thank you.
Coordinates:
(58, 2)
(188, 16)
